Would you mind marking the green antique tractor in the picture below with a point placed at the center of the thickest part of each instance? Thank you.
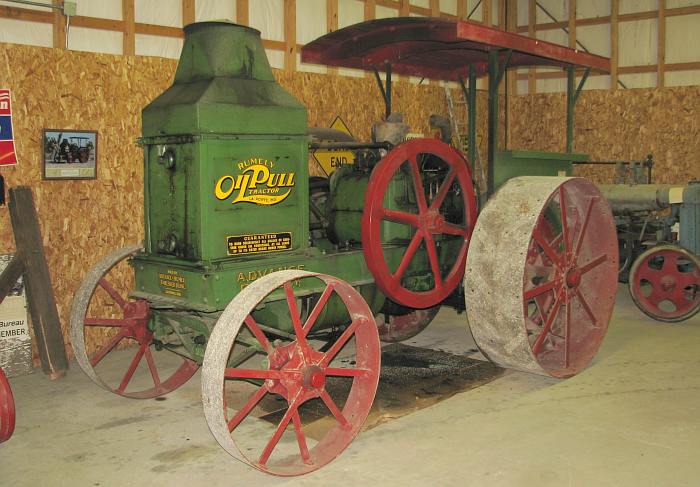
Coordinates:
(283, 297)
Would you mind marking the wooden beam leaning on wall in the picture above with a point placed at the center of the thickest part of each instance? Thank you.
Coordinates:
(290, 35)
(129, 38)
(37, 279)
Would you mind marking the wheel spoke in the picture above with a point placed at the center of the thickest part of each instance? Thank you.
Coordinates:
(444, 189)
(132, 367)
(328, 401)
(340, 342)
(100, 354)
(408, 256)
(294, 312)
(418, 185)
(451, 229)
(564, 220)
(685, 279)
(434, 261)
(584, 227)
(311, 320)
(301, 439)
(258, 333)
(265, 455)
(593, 263)
(548, 324)
(395, 216)
(670, 264)
(584, 305)
(340, 372)
(152, 367)
(247, 408)
(104, 322)
(105, 284)
(548, 250)
(236, 373)
(541, 289)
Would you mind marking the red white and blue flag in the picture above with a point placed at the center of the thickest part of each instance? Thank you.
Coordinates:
(7, 144)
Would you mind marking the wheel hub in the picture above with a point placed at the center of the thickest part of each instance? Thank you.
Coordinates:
(668, 283)
(138, 314)
(313, 377)
(431, 221)
(573, 277)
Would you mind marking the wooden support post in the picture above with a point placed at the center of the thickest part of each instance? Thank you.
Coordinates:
(40, 297)
(511, 76)
(531, 21)
(661, 61)
(290, 35)
(8, 277)
(435, 12)
(242, 12)
(370, 14)
(187, 12)
(462, 9)
(435, 8)
(370, 9)
(129, 38)
(614, 51)
(572, 24)
(59, 26)
(332, 24)
(486, 15)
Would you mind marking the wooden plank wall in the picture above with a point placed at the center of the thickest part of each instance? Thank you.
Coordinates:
(617, 125)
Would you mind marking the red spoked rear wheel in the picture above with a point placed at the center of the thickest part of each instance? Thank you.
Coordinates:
(438, 204)
(542, 275)
(103, 318)
(243, 368)
(665, 283)
(7, 409)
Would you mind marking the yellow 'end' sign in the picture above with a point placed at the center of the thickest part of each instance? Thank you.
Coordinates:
(330, 160)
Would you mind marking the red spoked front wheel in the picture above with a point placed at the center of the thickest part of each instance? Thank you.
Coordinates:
(542, 274)
(665, 283)
(7, 409)
(103, 319)
(437, 209)
(243, 367)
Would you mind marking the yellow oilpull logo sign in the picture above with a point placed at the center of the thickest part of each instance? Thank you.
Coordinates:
(257, 183)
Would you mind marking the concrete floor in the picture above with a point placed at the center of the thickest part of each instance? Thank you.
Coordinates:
(630, 419)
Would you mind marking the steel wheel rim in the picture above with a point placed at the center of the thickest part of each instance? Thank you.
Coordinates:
(357, 405)
(539, 294)
(7, 409)
(132, 325)
(659, 268)
(426, 224)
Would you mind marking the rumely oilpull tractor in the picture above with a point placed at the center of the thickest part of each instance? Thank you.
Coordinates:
(282, 289)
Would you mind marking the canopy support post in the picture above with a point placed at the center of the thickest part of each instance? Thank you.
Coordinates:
(571, 97)
(385, 91)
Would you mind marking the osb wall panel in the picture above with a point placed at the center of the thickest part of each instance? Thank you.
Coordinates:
(84, 220)
(617, 125)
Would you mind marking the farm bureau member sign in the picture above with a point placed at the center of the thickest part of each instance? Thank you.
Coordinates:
(7, 144)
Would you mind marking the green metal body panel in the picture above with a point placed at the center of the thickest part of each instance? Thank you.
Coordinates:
(510, 164)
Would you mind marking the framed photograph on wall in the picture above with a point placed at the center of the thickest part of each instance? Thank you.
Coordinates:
(69, 154)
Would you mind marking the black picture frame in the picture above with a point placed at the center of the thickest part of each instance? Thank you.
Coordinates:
(69, 154)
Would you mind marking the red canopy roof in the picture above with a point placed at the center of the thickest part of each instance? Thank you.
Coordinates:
(437, 48)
